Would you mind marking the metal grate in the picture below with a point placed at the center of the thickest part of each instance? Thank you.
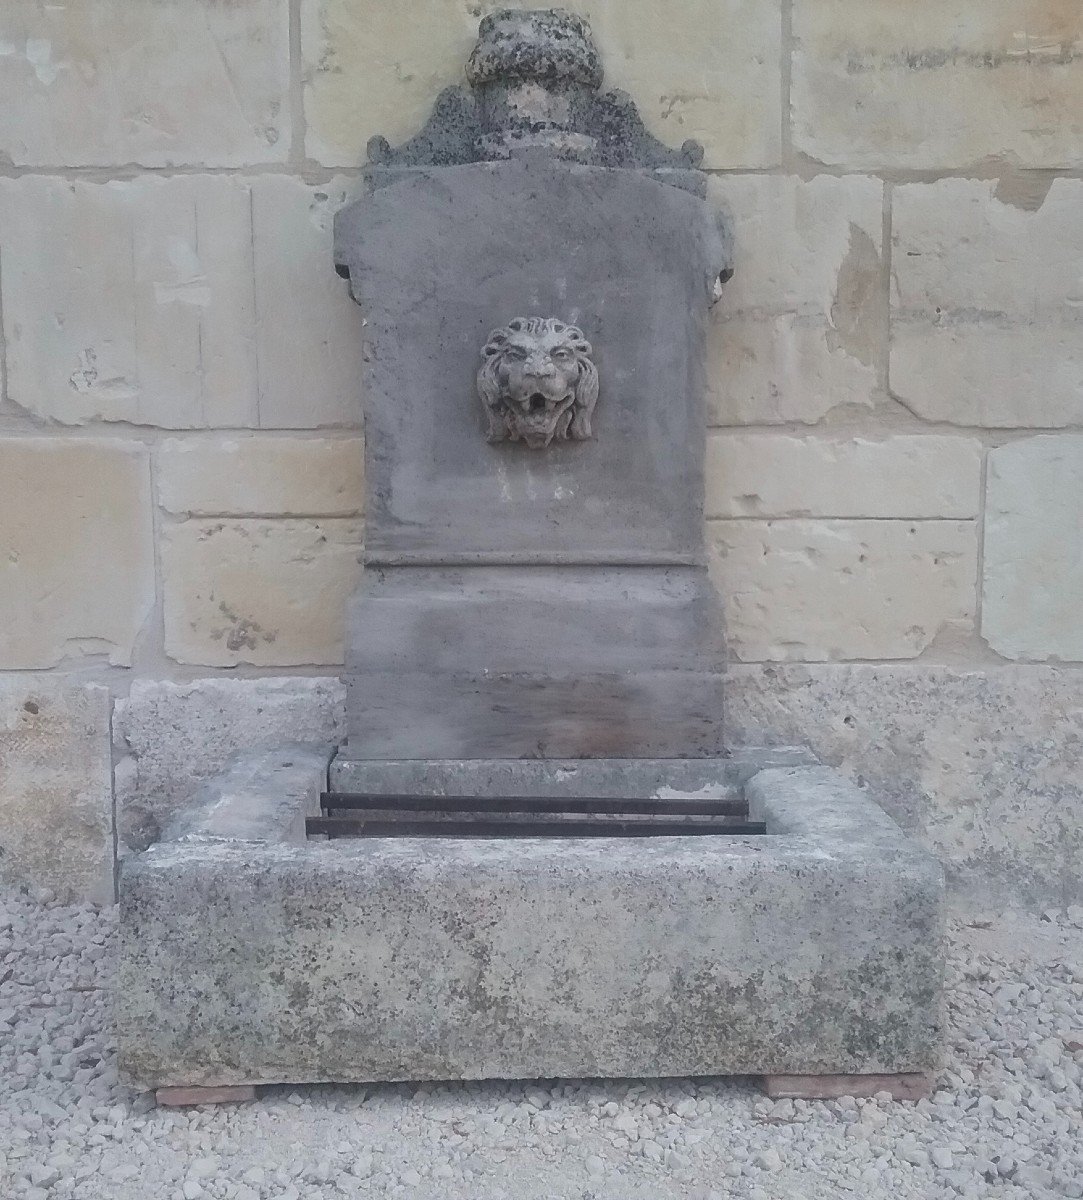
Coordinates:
(360, 814)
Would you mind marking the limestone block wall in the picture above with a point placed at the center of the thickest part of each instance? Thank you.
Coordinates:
(895, 501)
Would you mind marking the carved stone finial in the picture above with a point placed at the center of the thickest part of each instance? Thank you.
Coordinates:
(537, 382)
(546, 44)
(535, 77)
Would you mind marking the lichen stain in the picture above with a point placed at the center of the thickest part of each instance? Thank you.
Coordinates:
(244, 633)
(858, 308)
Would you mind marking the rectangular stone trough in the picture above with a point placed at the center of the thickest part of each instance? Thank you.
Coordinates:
(250, 955)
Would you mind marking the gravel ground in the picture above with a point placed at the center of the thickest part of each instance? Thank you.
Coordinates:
(1005, 1120)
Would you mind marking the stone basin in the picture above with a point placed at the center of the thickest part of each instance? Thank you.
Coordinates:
(251, 955)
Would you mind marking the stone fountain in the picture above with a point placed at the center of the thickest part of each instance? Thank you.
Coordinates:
(535, 622)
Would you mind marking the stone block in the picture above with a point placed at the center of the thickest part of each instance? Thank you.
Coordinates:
(930, 85)
(820, 590)
(813, 949)
(56, 788)
(984, 765)
(185, 302)
(368, 71)
(308, 331)
(78, 571)
(268, 593)
(986, 322)
(801, 328)
(1033, 586)
(261, 476)
(161, 85)
(171, 737)
(778, 475)
(260, 796)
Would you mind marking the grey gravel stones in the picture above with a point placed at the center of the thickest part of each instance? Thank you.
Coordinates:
(70, 1131)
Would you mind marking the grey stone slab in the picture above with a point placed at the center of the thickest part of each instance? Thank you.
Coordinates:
(171, 737)
(814, 950)
(261, 796)
(439, 260)
(562, 714)
(56, 796)
(502, 662)
(618, 778)
(984, 766)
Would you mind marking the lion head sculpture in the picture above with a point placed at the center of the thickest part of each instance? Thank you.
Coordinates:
(537, 382)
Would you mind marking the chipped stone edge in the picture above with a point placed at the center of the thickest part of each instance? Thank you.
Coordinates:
(261, 797)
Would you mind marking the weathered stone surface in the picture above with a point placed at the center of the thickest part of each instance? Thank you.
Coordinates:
(156, 84)
(986, 324)
(535, 83)
(420, 253)
(524, 661)
(260, 796)
(816, 949)
(308, 334)
(185, 302)
(368, 72)
(986, 766)
(261, 476)
(171, 737)
(928, 85)
(1033, 587)
(56, 795)
(645, 778)
(78, 570)
(801, 327)
(817, 590)
(779, 475)
(269, 593)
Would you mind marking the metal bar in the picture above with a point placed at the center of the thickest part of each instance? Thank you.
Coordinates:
(536, 804)
(357, 827)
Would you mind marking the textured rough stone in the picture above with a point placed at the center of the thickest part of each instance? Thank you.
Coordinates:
(1033, 587)
(260, 796)
(801, 327)
(535, 81)
(929, 84)
(171, 737)
(368, 72)
(269, 593)
(778, 475)
(812, 950)
(56, 796)
(185, 302)
(815, 590)
(986, 766)
(987, 324)
(78, 565)
(157, 84)
(261, 476)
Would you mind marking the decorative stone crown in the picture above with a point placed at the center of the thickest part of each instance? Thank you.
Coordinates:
(535, 78)
(546, 44)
